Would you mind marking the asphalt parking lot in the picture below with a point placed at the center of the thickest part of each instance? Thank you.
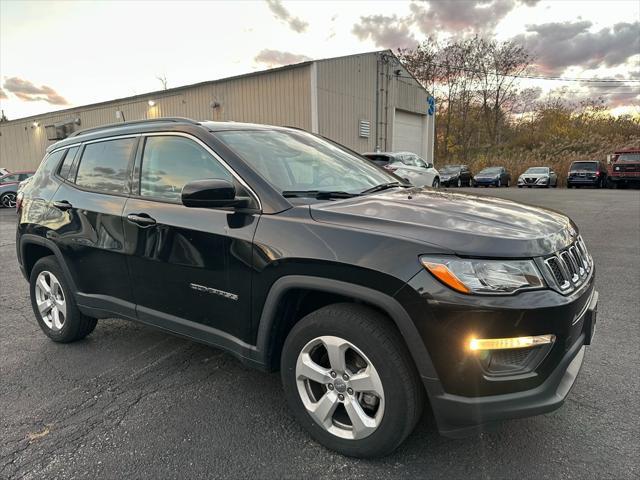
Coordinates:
(133, 402)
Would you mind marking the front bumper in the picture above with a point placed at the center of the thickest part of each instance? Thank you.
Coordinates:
(467, 397)
(538, 182)
(459, 416)
(486, 181)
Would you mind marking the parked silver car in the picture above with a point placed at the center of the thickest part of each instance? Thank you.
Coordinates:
(9, 187)
(407, 165)
(538, 177)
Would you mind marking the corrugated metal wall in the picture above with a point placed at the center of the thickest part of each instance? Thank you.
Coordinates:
(280, 97)
(346, 94)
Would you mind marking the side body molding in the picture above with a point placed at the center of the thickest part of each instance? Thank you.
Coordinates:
(382, 301)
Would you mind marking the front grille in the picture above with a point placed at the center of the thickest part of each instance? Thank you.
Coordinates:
(530, 180)
(569, 268)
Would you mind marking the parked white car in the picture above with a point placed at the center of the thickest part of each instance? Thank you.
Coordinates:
(407, 165)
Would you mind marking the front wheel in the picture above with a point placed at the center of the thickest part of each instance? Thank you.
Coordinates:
(436, 183)
(350, 381)
(8, 200)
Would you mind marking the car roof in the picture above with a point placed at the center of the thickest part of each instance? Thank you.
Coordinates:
(156, 124)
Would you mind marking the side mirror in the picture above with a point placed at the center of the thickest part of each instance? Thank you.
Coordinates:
(212, 193)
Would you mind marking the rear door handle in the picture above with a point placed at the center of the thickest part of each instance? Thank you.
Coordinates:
(142, 219)
(62, 205)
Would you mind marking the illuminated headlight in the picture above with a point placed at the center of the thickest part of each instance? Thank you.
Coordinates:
(484, 276)
(543, 179)
(617, 169)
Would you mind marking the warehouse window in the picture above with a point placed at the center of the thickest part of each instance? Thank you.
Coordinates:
(168, 163)
(104, 166)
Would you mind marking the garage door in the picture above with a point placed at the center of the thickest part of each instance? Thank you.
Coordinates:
(409, 132)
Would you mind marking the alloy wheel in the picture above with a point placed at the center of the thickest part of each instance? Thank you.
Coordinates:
(9, 200)
(340, 388)
(50, 300)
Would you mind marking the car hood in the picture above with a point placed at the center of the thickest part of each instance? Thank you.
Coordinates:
(458, 223)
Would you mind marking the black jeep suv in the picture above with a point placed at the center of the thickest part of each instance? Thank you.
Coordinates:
(294, 253)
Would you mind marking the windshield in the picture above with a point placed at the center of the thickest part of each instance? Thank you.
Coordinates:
(588, 166)
(537, 170)
(298, 161)
(629, 157)
(450, 169)
(490, 171)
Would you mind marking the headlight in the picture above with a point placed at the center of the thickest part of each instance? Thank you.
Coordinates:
(484, 276)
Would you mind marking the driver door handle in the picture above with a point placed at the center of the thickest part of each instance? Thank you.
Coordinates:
(141, 219)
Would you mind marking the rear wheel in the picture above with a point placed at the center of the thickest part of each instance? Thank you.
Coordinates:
(350, 381)
(54, 305)
(8, 200)
(436, 183)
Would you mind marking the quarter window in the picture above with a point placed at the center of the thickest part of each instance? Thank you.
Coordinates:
(170, 162)
(65, 168)
(104, 166)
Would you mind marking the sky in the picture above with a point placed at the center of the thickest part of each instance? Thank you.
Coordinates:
(60, 54)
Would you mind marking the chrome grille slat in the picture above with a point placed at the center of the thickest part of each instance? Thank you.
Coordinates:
(568, 269)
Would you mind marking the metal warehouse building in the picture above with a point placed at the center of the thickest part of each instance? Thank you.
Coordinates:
(366, 102)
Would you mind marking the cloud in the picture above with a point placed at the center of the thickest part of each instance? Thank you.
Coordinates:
(28, 92)
(386, 31)
(429, 17)
(562, 45)
(276, 58)
(3, 94)
(461, 18)
(277, 8)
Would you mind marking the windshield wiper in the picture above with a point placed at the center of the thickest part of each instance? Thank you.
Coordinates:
(382, 186)
(319, 194)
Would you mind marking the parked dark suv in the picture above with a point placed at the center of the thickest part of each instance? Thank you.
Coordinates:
(294, 253)
(587, 173)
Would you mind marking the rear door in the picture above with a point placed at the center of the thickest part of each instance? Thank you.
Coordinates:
(191, 267)
(85, 221)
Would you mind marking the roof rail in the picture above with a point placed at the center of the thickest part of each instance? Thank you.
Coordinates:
(134, 122)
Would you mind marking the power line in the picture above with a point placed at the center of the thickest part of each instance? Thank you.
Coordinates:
(538, 77)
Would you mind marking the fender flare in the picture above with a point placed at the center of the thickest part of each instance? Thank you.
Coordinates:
(30, 239)
(384, 302)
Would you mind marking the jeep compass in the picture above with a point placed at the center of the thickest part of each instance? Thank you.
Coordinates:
(372, 298)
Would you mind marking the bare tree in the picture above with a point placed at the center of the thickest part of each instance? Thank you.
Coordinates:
(163, 80)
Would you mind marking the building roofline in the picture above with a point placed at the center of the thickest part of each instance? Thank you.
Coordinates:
(191, 85)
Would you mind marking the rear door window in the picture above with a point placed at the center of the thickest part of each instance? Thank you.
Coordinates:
(104, 166)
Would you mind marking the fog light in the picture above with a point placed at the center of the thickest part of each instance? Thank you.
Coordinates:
(477, 344)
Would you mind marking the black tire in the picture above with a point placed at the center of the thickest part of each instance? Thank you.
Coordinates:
(76, 326)
(436, 182)
(376, 337)
(459, 183)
